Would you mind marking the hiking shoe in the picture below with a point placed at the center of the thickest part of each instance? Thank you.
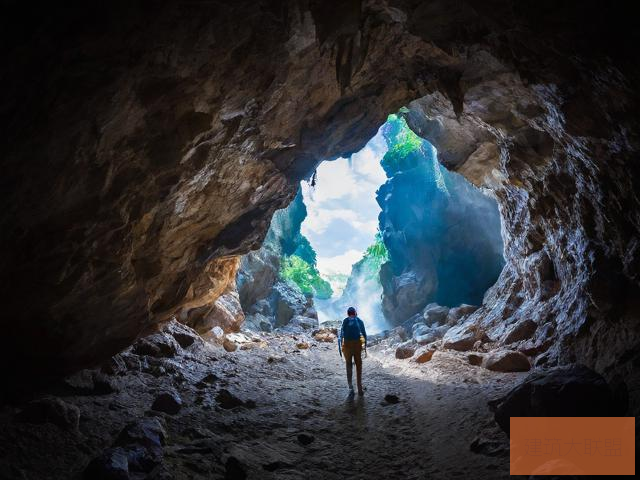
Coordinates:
(361, 391)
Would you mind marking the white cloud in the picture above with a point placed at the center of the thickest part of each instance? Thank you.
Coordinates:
(319, 219)
(342, 213)
(339, 263)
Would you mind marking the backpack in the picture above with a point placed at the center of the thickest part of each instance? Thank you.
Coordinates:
(350, 327)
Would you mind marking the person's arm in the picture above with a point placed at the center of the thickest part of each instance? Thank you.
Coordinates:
(340, 338)
(363, 330)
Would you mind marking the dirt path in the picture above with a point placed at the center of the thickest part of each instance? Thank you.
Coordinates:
(295, 421)
(427, 434)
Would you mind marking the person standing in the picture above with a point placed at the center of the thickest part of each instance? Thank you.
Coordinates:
(351, 342)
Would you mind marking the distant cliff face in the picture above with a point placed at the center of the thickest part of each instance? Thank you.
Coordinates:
(443, 234)
(277, 282)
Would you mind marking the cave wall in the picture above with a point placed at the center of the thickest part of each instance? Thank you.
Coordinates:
(442, 233)
(145, 145)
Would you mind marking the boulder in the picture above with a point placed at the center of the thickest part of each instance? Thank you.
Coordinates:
(522, 330)
(567, 391)
(475, 359)
(405, 350)
(167, 402)
(112, 464)
(288, 301)
(325, 335)
(226, 313)
(457, 313)
(148, 432)
(419, 328)
(435, 314)
(51, 410)
(217, 333)
(258, 322)
(431, 334)
(229, 345)
(141, 442)
(463, 337)
(506, 361)
(184, 335)
(305, 439)
(391, 399)
(228, 400)
(302, 346)
(157, 345)
(303, 322)
(89, 382)
(423, 355)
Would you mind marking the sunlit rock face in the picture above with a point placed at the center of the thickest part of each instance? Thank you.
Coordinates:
(143, 145)
(269, 299)
(442, 233)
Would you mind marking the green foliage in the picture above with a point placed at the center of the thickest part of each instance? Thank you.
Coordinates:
(374, 256)
(306, 276)
(405, 147)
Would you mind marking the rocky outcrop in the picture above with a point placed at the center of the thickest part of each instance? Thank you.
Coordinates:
(574, 391)
(506, 361)
(259, 269)
(442, 234)
(269, 300)
(145, 147)
(226, 313)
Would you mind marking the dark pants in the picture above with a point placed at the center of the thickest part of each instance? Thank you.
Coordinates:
(352, 350)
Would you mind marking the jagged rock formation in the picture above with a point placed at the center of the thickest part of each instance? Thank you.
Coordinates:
(443, 234)
(268, 300)
(145, 146)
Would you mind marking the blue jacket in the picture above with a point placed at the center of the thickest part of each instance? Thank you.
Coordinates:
(352, 328)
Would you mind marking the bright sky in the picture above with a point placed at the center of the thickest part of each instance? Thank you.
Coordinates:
(342, 212)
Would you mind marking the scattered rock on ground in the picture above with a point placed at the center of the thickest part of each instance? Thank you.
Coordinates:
(506, 361)
(112, 464)
(184, 335)
(167, 402)
(455, 314)
(89, 382)
(405, 351)
(489, 447)
(217, 333)
(52, 410)
(325, 335)
(229, 345)
(148, 432)
(430, 334)
(157, 345)
(435, 314)
(391, 399)
(475, 359)
(228, 400)
(463, 337)
(305, 439)
(302, 345)
(423, 355)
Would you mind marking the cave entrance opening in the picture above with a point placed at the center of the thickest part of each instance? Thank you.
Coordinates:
(388, 230)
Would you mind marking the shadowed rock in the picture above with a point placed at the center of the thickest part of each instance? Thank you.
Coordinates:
(506, 361)
(573, 391)
(51, 410)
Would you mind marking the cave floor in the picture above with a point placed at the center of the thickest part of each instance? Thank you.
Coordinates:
(303, 423)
